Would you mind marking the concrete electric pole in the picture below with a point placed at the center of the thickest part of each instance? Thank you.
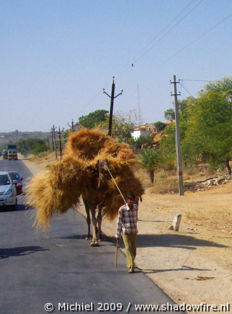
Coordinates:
(178, 148)
(112, 97)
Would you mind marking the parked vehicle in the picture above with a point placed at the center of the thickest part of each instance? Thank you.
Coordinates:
(17, 180)
(8, 193)
(5, 154)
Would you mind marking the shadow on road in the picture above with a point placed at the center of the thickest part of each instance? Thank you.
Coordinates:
(160, 240)
(183, 268)
(171, 241)
(174, 241)
(19, 207)
(20, 251)
(74, 237)
(83, 237)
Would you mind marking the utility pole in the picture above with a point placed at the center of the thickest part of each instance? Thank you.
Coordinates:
(112, 97)
(48, 143)
(54, 140)
(71, 125)
(60, 142)
(178, 148)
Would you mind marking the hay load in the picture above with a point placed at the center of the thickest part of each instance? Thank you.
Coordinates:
(79, 173)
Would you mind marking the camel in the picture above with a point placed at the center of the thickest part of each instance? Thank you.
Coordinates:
(81, 173)
(91, 207)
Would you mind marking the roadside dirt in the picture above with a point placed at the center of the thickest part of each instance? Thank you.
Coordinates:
(193, 265)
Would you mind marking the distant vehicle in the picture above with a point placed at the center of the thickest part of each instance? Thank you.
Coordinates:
(5, 154)
(17, 180)
(8, 195)
(12, 152)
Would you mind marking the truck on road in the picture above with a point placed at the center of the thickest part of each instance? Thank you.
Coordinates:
(12, 152)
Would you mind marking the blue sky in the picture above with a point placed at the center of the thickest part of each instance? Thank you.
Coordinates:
(56, 56)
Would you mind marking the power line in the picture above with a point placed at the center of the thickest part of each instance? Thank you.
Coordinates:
(165, 31)
(168, 29)
(189, 80)
(199, 37)
(182, 86)
(196, 80)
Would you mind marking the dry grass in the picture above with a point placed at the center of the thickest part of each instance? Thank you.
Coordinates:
(79, 173)
(164, 181)
(165, 185)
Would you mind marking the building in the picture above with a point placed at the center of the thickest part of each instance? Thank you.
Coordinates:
(142, 131)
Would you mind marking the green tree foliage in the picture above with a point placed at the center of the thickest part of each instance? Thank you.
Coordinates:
(32, 145)
(66, 134)
(167, 147)
(93, 119)
(122, 128)
(169, 114)
(223, 86)
(160, 126)
(209, 135)
(150, 161)
(141, 142)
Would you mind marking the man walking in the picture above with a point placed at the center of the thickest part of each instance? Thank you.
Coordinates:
(127, 226)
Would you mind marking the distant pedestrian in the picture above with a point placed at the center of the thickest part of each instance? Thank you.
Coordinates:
(127, 227)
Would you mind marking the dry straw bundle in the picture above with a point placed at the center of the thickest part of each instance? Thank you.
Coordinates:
(79, 173)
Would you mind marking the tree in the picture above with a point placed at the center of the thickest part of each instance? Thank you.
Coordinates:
(160, 126)
(205, 127)
(39, 147)
(122, 126)
(169, 114)
(141, 141)
(66, 134)
(149, 160)
(32, 145)
(209, 130)
(167, 146)
(93, 119)
(185, 106)
(223, 86)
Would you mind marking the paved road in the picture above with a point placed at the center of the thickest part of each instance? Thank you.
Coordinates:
(60, 266)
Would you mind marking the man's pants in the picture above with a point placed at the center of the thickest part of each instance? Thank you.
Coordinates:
(130, 245)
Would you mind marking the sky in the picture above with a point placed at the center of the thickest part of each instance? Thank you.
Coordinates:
(56, 56)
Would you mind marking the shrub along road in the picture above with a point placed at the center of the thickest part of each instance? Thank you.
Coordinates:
(59, 266)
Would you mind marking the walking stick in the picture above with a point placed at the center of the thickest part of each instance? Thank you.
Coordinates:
(116, 255)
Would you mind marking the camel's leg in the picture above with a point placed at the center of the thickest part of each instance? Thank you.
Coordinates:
(99, 222)
(94, 227)
(87, 219)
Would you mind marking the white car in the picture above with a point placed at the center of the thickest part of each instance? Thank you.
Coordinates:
(8, 195)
